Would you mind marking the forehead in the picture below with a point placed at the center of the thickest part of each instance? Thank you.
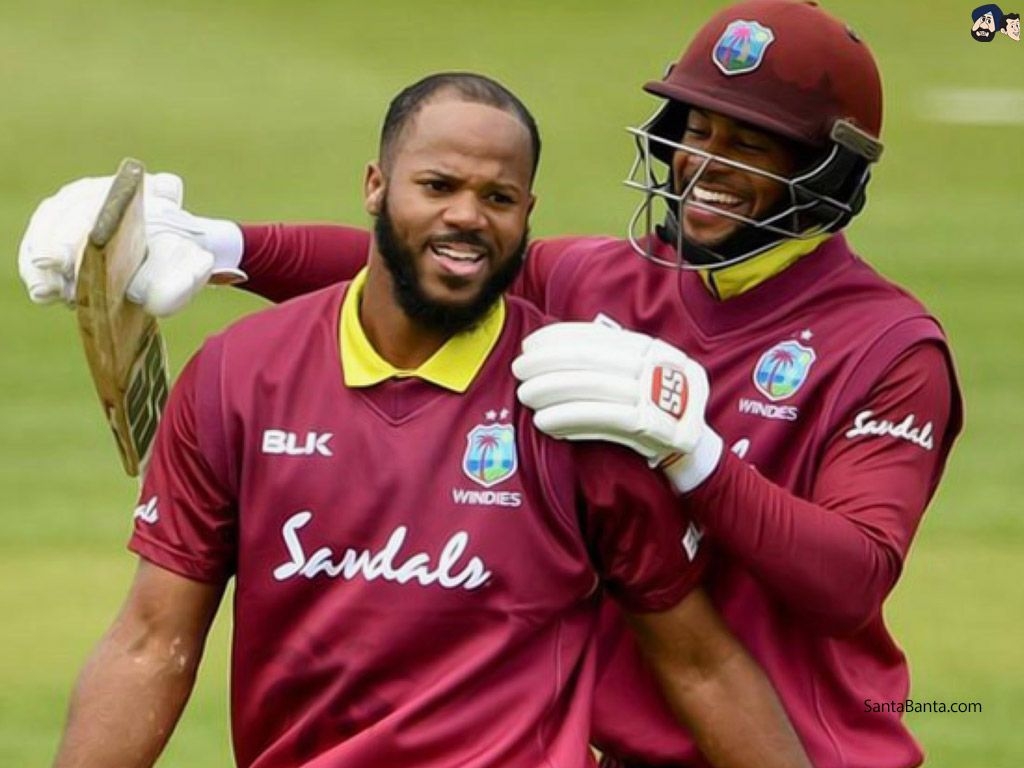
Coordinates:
(700, 115)
(465, 138)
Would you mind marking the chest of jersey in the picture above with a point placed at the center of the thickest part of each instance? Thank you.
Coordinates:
(402, 493)
(411, 586)
(781, 368)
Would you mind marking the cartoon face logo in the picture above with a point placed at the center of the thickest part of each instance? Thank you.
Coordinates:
(1011, 26)
(783, 369)
(741, 47)
(490, 455)
(987, 19)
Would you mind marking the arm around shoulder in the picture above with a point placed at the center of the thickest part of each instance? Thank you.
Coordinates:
(283, 261)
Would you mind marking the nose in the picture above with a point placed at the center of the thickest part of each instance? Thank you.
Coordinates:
(686, 164)
(464, 212)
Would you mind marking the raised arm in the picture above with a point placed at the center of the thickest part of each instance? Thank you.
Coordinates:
(134, 686)
(185, 251)
(287, 260)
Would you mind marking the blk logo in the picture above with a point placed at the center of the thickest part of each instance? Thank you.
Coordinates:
(277, 442)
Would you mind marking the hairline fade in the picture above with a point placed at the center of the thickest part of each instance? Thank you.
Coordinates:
(467, 86)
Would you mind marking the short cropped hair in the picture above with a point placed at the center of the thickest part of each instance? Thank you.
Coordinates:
(471, 87)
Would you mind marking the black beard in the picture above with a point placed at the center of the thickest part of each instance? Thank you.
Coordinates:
(448, 319)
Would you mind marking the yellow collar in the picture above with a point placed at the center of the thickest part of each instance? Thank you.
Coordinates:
(453, 366)
(732, 281)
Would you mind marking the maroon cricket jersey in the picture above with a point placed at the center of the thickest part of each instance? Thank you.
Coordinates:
(418, 572)
(837, 386)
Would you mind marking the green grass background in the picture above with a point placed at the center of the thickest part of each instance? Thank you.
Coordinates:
(270, 110)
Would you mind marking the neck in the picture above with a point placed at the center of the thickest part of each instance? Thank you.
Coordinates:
(395, 337)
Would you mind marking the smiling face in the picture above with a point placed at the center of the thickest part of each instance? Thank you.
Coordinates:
(723, 187)
(452, 201)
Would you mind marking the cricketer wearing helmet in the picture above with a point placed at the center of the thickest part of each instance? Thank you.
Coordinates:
(803, 406)
(813, 94)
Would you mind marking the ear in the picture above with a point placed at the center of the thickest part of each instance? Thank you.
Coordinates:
(529, 207)
(374, 186)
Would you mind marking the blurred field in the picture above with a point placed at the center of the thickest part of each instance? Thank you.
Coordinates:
(269, 110)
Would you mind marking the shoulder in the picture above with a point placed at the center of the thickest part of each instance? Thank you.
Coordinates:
(268, 328)
(523, 316)
(865, 283)
(553, 257)
(874, 316)
(553, 247)
(292, 333)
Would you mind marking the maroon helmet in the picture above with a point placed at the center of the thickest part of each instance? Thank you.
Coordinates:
(790, 69)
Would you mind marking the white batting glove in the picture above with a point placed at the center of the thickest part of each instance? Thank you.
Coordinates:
(184, 251)
(587, 381)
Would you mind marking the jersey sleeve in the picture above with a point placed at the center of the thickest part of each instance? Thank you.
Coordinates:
(284, 261)
(186, 521)
(878, 473)
(541, 260)
(648, 555)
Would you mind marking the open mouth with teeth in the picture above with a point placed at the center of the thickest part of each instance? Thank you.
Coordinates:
(715, 198)
(461, 259)
(709, 214)
(710, 201)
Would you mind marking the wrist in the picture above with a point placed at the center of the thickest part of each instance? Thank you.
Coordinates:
(690, 470)
(222, 238)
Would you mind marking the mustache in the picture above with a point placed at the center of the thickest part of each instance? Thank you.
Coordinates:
(465, 238)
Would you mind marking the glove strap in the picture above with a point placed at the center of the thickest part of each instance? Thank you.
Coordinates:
(223, 238)
(687, 471)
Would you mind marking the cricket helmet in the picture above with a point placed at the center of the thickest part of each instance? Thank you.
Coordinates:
(785, 67)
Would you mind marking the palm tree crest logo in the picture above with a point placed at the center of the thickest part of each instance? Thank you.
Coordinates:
(490, 456)
(783, 369)
(742, 46)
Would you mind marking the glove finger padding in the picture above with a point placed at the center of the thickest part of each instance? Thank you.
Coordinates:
(558, 356)
(583, 420)
(590, 381)
(54, 236)
(165, 186)
(549, 389)
(587, 334)
(175, 270)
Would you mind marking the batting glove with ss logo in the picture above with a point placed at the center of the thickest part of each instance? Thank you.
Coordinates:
(587, 381)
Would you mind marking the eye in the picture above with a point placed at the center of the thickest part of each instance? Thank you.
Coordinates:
(500, 198)
(751, 146)
(436, 185)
